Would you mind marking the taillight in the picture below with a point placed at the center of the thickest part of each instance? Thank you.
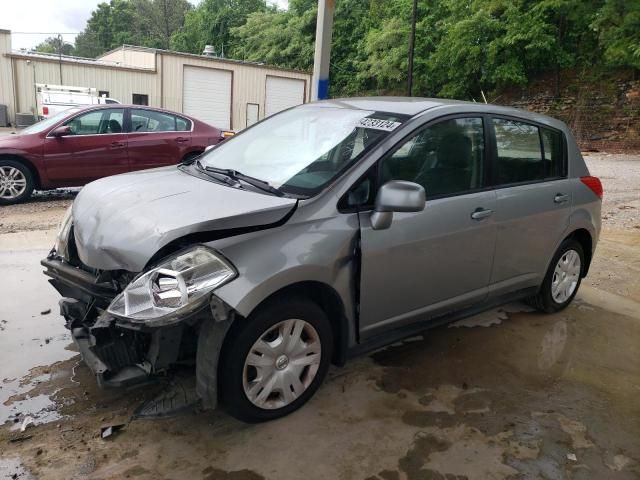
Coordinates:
(45, 110)
(594, 185)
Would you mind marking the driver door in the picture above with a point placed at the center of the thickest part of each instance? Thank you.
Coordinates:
(430, 262)
(96, 148)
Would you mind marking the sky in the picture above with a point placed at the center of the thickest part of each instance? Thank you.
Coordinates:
(46, 18)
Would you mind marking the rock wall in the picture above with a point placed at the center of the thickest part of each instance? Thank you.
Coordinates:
(602, 108)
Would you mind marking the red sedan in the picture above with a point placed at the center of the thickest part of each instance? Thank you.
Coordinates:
(80, 145)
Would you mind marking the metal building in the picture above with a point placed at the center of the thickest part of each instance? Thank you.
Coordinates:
(225, 93)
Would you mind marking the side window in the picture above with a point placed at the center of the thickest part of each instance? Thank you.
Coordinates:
(446, 158)
(97, 122)
(519, 153)
(553, 153)
(151, 121)
(182, 124)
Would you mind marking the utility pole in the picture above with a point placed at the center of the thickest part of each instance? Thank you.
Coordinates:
(60, 44)
(412, 44)
(322, 57)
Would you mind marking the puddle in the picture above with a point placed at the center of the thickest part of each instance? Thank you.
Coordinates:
(28, 339)
(11, 467)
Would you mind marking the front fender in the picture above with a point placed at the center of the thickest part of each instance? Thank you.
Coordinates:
(311, 251)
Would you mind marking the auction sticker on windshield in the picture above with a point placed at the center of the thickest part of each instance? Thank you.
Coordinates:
(378, 124)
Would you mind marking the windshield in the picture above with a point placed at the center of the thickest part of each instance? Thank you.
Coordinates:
(301, 150)
(42, 125)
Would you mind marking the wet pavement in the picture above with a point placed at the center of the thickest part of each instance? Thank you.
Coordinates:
(506, 394)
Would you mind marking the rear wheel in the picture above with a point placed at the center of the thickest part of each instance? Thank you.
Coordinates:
(16, 182)
(563, 278)
(275, 361)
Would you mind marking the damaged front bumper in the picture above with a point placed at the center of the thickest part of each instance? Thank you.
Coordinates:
(119, 353)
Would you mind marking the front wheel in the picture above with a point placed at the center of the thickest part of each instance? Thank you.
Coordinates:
(563, 278)
(16, 182)
(275, 360)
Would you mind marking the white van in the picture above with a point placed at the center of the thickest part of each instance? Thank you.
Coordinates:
(53, 99)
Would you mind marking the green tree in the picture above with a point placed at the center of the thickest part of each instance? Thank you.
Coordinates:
(55, 45)
(160, 19)
(618, 26)
(280, 38)
(211, 22)
(148, 23)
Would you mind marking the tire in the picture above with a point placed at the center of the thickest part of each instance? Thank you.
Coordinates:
(280, 362)
(16, 182)
(550, 299)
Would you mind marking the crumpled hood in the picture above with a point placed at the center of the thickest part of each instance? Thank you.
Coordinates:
(120, 222)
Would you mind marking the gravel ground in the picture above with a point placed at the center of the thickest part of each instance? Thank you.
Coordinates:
(620, 176)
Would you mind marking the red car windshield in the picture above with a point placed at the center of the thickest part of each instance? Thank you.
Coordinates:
(42, 125)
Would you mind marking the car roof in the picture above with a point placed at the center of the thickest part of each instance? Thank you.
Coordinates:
(413, 106)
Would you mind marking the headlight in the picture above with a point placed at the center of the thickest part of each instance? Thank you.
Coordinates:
(62, 239)
(175, 287)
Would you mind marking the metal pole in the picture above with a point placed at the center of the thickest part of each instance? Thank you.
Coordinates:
(60, 56)
(322, 57)
(412, 42)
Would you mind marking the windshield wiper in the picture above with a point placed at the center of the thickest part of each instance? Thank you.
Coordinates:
(219, 176)
(235, 175)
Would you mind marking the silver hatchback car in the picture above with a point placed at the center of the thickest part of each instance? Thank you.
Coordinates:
(325, 231)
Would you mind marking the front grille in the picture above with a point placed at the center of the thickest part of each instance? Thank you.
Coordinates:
(119, 348)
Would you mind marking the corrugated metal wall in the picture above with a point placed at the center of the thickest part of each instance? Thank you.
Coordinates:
(131, 57)
(163, 85)
(249, 83)
(120, 83)
(6, 82)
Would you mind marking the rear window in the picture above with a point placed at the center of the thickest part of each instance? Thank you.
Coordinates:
(182, 124)
(527, 153)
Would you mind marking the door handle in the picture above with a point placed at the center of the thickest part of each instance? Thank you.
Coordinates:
(561, 198)
(117, 144)
(181, 139)
(480, 213)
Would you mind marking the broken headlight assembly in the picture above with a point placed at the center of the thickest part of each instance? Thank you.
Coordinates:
(62, 239)
(177, 286)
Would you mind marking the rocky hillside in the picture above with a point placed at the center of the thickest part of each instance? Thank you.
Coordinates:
(602, 108)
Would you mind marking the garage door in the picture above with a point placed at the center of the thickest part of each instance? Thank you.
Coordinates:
(283, 93)
(207, 95)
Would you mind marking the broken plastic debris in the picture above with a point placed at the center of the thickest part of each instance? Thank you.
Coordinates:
(25, 423)
(572, 457)
(106, 432)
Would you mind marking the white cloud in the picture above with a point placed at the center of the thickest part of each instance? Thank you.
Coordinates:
(46, 17)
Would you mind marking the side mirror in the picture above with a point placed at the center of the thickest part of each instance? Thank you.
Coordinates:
(62, 131)
(396, 196)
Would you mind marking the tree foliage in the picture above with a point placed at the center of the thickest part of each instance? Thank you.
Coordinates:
(55, 45)
(211, 22)
(148, 23)
(463, 48)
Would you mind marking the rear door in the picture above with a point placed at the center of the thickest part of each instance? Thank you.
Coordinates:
(97, 148)
(439, 259)
(533, 201)
(157, 139)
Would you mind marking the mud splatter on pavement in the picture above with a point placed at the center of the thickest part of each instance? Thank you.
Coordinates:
(516, 397)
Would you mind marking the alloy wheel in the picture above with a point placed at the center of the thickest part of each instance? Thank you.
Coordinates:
(282, 364)
(566, 276)
(13, 183)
